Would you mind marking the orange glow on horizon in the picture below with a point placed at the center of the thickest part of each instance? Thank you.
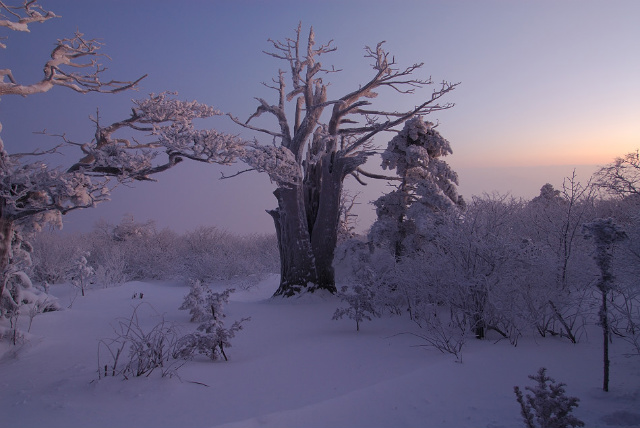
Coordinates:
(536, 150)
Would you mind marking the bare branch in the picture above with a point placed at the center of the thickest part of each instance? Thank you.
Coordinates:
(622, 177)
(36, 152)
(422, 109)
(376, 176)
(224, 177)
(244, 125)
(358, 179)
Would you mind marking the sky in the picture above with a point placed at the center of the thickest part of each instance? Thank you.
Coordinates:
(546, 88)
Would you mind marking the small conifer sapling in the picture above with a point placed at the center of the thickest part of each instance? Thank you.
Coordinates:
(547, 406)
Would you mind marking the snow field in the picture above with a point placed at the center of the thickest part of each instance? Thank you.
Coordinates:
(292, 365)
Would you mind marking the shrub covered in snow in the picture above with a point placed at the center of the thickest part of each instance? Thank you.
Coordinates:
(81, 273)
(211, 337)
(204, 304)
(547, 406)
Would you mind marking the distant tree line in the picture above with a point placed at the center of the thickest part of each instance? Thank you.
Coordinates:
(132, 250)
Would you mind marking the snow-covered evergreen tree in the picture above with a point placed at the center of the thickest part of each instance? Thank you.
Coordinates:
(428, 185)
(547, 406)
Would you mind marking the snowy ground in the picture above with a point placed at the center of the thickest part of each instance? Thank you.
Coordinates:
(292, 366)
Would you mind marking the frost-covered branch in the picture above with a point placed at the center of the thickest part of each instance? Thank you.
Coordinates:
(278, 162)
(37, 192)
(18, 18)
(71, 53)
(303, 67)
(33, 194)
(167, 125)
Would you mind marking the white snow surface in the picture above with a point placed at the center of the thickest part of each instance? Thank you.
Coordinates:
(292, 366)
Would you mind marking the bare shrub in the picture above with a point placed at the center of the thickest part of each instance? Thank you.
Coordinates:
(361, 305)
(136, 351)
(445, 332)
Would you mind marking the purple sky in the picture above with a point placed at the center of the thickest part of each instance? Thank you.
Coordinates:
(547, 86)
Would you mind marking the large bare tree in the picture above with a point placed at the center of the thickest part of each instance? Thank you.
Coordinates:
(326, 140)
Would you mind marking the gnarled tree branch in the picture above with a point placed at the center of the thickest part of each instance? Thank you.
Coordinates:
(69, 54)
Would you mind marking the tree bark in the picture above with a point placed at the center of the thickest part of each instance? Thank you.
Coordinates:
(297, 265)
(324, 184)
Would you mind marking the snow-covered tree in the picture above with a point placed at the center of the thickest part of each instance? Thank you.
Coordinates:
(32, 193)
(211, 337)
(73, 64)
(547, 406)
(428, 185)
(325, 140)
(81, 272)
(624, 307)
(605, 234)
(476, 263)
(475, 272)
(167, 125)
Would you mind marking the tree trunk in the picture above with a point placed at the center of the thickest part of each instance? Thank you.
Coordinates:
(604, 322)
(323, 189)
(297, 265)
